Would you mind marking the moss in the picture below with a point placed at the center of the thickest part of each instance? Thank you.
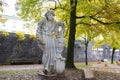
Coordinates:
(82, 65)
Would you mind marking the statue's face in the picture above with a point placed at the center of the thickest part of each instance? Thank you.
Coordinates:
(50, 16)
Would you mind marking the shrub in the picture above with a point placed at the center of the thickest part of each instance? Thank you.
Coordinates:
(20, 35)
(32, 36)
(4, 33)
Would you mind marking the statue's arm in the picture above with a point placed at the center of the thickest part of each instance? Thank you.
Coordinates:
(61, 23)
(39, 31)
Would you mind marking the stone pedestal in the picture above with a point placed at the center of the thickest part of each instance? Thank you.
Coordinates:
(60, 65)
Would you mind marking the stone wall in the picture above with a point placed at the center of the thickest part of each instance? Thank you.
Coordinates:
(11, 48)
(104, 52)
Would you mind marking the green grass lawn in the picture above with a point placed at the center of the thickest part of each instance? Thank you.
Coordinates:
(82, 64)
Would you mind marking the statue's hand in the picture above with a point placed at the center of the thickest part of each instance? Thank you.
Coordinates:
(53, 35)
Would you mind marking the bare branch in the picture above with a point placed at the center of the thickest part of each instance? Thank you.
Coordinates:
(54, 5)
(63, 7)
(59, 3)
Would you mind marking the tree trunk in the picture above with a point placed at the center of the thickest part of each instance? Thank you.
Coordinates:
(86, 53)
(113, 52)
(70, 50)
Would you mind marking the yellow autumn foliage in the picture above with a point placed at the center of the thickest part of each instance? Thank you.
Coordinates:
(20, 35)
(32, 36)
(5, 33)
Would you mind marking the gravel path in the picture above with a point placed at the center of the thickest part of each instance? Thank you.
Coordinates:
(20, 67)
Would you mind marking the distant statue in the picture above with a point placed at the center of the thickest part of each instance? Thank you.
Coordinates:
(51, 40)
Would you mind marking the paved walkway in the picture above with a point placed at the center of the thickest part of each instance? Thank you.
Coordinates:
(110, 67)
(20, 67)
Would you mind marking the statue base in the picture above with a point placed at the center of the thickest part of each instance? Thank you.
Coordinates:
(43, 76)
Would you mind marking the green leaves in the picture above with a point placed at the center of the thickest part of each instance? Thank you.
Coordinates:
(2, 20)
(30, 9)
(99, 21)
(96, 17)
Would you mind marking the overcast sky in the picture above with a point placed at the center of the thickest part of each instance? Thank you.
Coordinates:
(12, 25)
(10, 9)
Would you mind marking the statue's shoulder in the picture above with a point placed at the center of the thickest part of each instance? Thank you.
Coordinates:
(42, 21)
(60, 23)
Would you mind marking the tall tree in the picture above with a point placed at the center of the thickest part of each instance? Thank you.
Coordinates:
(70, 50)
(112, 58)
(87, 34)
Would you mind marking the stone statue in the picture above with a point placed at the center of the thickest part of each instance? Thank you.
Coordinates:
(51, 40)
(60, 43)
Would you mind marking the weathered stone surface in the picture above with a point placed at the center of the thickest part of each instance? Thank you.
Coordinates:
(89, 75)
(10, 49)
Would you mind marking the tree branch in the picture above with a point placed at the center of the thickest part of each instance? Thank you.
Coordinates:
(59, 3)
(99, 20)
(78, 17)
(104, 23)
(54, 5)
(84, 23)
(59, 7)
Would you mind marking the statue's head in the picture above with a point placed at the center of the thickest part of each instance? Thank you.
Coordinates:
(49, 15)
